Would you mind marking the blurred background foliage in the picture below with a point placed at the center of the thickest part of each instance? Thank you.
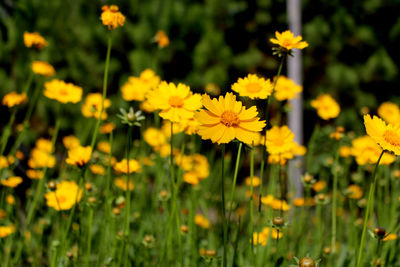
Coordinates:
(353, 53)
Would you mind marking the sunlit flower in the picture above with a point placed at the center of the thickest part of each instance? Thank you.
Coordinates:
(386, 135)
(175, 102)
(300, 202)
(13, 99)
(34, 174)
(253, 87)
(65, 196)
(278, 204)
(354, 191)
(6, 230)
(367, 151)
(286, 89)
(202, 221)
(345, 151)
(92, 106)
(107, 128)
(287, 40)
(282, 157)
(191, 178)
(12, 181)
(41, 159)
(166, 128)
(120, 182)
(62, 92)
(43, 68)
(70, 142)
(34, 39)
(196, 163)
(104, 147)
(162, 39)
(122, 166)
(226, 119)
(44, 145)
(390, 112)
(390, 236)
(79, 156)
(279, 140)
(137, 88)
(97, 169)
(327, 108)
(256, 181)
(111, 17)
(147, 107)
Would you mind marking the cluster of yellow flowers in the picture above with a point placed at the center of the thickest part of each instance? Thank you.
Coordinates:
(137, 88)
(41, 156)
(196, 167)
(261, 238)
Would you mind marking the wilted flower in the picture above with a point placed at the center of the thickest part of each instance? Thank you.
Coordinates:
(43, 68)
(13, 99)
(253, 87)
(62, 92)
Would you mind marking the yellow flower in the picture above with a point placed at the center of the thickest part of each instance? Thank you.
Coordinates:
(327, 108)
(111, 17)
(253, 87)
(175, 102)
(70, 142)
(121, 183)
(41, 159)
(104, 147)
(137, 88)
(6, 230)
(274, 233)
(280, 140)
(10, 199)
(62, 92)
(147, 107)
(196, 163)
(34, 174)
(97, 169)
(287, 40)
(283, 157)
(162, 39)
(44, 145)
(345, 151)
(256, 181)
(34, 39)
(319, 186)
(43, 68)
(13, 99)
(260, 239)
(107, 128)
(367, 151)
(166, 128)
(122, 166)
(299, 202)
(267, 200)
(202, 221)
(390, 236)
(390, 112)
(354, 191)
(12, 181)
(154, 137)
(226, 119)
(65, 196)
(286, 89)
(191, 178)
(92, 106)
(278, 204)
(3, 162)
(386, 135)
(79, 156)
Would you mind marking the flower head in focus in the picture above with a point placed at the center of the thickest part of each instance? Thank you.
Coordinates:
(286, 41)
(14, 99)
(43, 68)
(253, 87)
(327, 108)
(34, 39)
(65, 196)
(111, 17)
(62, 92)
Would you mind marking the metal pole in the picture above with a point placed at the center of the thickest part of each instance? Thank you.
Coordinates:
(294, 70)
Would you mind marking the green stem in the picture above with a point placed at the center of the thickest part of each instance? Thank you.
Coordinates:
(234, 181)
(369, 206)
(334, 200)
(7, 131)
(89, 237)
(224, 263)
(251, 203)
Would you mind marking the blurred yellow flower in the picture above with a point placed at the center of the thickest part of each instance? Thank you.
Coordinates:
(122, 166)
(287, 40)
(300, 202)
(282, 158)
(202, 221)
(111, 17)
(10, 199)
(70, 142)
(34, 174)
(14, 99)
(162, 39)
(154, 137)
(386, 135)
(286, 89)
(137, 88)
(390, 112)
(92, 106)
(212, 89)
(279, 140)
(12, 181)
(345, 151)
(278, 204)
(34, 39)
(354, 191)
(175, 102)
(79, 156)
(253, 87)
(319, 186)
(120, 182)
(196, 163)
(166, 128)
(43, 68)
(367, 151)
(44, 145)
(191, 178)
(97, 169)
(65, 196)
(147, 107)
(256, 181)
(390, 236)
(107, 128)
(267, 200)
(327, 108)
(41, 159)
(6, 230)
(104, 147)
(62, 92)
(226, 119)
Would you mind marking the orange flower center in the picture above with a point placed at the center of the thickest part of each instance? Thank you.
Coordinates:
(176, 101)
(253, 87)
(391, 137)
(63, 92)
(61, 199)
(229, 119)
(286, 42)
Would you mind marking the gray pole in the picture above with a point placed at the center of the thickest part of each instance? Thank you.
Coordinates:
(294, 70)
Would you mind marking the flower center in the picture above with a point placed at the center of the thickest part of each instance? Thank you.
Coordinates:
(63, 92)
(286, 42)
(253, 87)
(229, 119)
(61, 199)
(176, 101)
(392, 138)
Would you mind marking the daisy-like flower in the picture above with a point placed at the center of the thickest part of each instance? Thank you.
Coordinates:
(43, 68)
(202, 221)
(367, 151)
(390, 112)
(120, 182)
(70, 142)
(12, 181)
(327, 108)
(136, 88)
(34, 39)
(226, 119)
(288, 41)
(13, 99)
(122, 166)
(92, 106)
(280, 140)
(286, 89)
(111, 17)
(162, 39)
(63, 92)
(65, 196)
(79, 156)
(386, 135)
(253, 87)
(175, 102)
